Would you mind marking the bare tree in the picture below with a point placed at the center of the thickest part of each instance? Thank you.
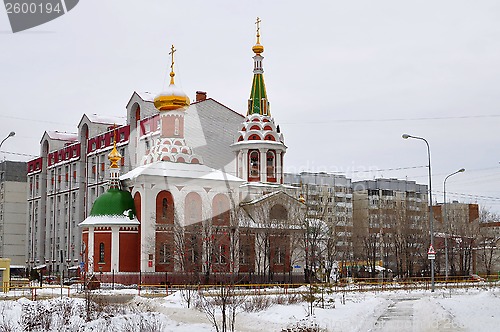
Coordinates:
(488, 240)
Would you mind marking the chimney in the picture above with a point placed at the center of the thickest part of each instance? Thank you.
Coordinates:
(201, 95)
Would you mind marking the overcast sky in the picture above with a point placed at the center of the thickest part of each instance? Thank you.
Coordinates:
(345, 78)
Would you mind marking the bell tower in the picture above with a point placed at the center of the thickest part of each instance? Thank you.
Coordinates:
(260, 147)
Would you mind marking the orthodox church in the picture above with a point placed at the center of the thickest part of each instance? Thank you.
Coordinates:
(199, 203)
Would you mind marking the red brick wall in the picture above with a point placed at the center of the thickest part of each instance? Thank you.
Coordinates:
(102, 237)
(137, 204)
(129, 251)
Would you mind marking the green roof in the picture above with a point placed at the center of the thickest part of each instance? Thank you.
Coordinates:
(114, 202)
(258, 104)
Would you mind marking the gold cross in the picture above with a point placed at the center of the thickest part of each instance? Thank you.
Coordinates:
(258, 25)
(172, 51)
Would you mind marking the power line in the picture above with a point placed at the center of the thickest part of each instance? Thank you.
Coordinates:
(19, 154)
(399, 119)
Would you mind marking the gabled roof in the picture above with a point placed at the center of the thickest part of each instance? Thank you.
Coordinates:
(180, 170)
(62, 136)
(280, 195)
(106, 119)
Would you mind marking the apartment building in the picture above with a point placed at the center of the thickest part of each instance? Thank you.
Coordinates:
(328, 198)
(390, 220)
(13, 211)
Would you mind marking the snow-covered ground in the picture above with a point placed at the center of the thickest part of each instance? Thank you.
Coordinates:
(472, 309)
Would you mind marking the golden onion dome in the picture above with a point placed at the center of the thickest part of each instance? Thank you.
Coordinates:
(172, 98)
(258, 49)
(114, 157)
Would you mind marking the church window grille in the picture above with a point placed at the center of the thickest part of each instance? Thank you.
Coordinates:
(101, 252)
(164, 208)
(165, 253)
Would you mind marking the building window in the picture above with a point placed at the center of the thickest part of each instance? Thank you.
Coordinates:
(220, 254)
(164, 208)
(101, 252)
(165, 253)
(176, 126)
(245, 254)
(254, 164)
(279, 255)
(270, 164)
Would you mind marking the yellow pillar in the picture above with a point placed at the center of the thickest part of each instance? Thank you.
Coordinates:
(5, 274)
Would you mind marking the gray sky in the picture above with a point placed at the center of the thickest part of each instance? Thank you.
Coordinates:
(345, 78)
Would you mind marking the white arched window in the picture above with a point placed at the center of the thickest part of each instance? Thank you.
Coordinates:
(253, 164)
(176, 126)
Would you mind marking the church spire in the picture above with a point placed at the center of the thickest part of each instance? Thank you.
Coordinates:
(114, 157)
(258, 103)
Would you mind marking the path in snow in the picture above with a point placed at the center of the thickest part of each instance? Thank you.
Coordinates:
(416, 315)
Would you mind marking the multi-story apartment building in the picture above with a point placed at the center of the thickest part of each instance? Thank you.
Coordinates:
(328, 198)
(13, 211)
(390, 219)
(68, 176)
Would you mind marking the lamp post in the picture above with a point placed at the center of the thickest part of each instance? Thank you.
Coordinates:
(10, 135)
(431, 216)
(446, 220)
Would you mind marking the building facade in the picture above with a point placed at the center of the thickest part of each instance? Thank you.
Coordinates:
(460, 224)
(328, 200)
(390, 220)
(13, 211)
(189, 178)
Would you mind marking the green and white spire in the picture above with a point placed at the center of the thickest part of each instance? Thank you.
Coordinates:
(258, 103)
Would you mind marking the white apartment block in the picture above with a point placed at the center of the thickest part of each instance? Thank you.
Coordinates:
(328, 198)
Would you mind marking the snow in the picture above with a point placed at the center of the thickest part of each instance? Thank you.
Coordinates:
(114, 220)
(180, 170)
(106, 119)
(470, 309)
(62, 136)
(146, 96)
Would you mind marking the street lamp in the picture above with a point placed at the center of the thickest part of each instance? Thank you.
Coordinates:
(431, 217)
(10, 135)
(446, 220)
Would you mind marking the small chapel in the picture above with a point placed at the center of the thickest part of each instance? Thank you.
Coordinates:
(204, 199)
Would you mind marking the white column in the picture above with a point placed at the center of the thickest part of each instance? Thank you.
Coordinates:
(263, 165)
(279, 172)
(115, 248)
(282, 157)
(143, 263)
(90, 250)
(244, 164)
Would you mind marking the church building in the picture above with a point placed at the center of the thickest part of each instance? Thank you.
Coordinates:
(195, 192)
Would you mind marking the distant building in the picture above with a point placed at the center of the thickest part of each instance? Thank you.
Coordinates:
(460, 222)
(13, 211)
(487, 248)
(390, 220)
(328, 198)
